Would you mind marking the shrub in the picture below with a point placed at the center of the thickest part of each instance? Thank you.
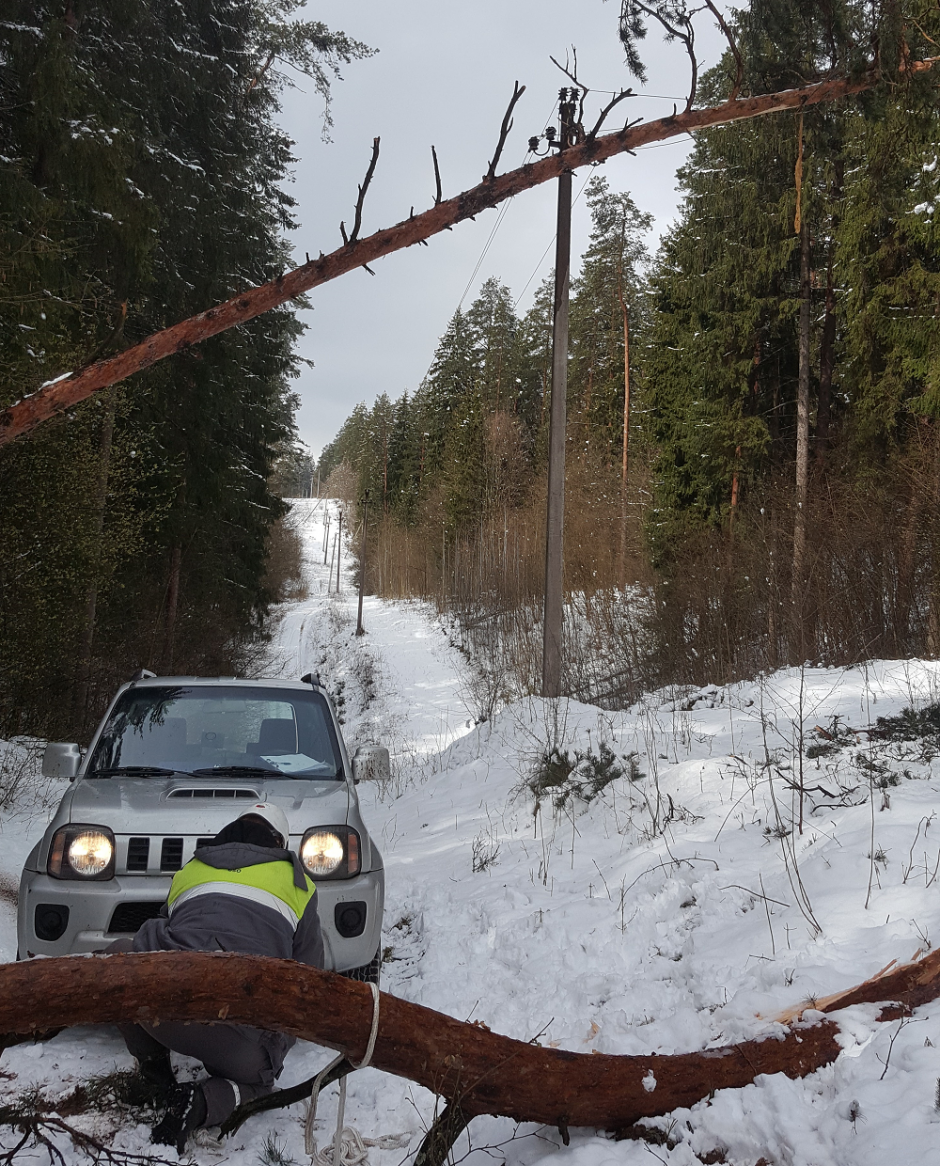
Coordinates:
(565, 778)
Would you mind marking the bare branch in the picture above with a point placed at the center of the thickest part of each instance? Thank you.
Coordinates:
(282, 1098)
(583, 90)
(504, 129)
(439, 1140)
(567, 72)
(674, 32)
(732, 44)
(437, 180)
(64, 392)
(362, 193)
(621, 96)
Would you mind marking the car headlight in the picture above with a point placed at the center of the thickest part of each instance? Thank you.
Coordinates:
(330, 852)
(82, 852)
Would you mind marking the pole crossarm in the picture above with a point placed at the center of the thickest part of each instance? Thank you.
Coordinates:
(480, 1071)
(68, 390)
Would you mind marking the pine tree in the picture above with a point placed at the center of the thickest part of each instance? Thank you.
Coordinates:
(141, 181)
(605, 297)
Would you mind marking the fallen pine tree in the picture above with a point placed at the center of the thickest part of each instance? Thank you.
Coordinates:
(475, 1070)
(64, 392)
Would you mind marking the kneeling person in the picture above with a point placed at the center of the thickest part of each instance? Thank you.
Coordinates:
(242, 892)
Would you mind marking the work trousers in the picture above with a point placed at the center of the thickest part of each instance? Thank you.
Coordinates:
(242, 1062)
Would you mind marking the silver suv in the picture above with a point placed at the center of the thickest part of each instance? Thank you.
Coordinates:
(174, 760)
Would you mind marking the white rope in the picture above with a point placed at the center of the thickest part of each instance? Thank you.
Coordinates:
(349, 1147)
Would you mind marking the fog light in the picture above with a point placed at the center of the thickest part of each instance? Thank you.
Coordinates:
(350, 919)
(50, 921)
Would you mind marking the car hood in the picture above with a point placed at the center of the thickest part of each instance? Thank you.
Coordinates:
(191, 807)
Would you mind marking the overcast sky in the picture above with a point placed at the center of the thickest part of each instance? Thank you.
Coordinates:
(443, 75)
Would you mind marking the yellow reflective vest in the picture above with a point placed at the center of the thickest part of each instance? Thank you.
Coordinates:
(268, 883)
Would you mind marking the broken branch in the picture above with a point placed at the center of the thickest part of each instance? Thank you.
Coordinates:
(64, 392)
(732, 44)
(517, 92)
(437, 180)
(282, 1098)
(362, 193)
(614, 101)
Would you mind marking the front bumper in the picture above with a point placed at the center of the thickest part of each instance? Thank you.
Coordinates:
(92, 907)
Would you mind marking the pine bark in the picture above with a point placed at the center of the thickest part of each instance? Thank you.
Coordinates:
(801, 492)
(827, 342)
(87, 640)
(172, 609)
(474, 1069)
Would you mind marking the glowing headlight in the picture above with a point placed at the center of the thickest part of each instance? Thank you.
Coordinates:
(330, 852)
(322, 853)
(90, 852)
(82, 852)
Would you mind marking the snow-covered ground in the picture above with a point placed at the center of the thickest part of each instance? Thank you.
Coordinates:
(663, 898)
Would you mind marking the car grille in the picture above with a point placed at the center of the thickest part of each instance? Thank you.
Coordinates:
(138, 854)
(166, 855)
(128, 917)
(171, 856)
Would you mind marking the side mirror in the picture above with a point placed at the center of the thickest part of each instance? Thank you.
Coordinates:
(59, 760)
(371, 763)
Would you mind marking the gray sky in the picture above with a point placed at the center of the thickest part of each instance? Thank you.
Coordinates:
(444, 74)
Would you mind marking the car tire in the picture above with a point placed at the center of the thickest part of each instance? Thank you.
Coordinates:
(369, 973)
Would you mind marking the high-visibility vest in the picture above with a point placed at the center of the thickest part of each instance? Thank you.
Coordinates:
(268, 883)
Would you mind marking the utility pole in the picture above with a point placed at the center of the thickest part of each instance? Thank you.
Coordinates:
(360, 630)
(339, 546)
(552, 622)
(625, 460)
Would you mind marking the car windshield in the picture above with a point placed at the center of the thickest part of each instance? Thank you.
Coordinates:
(223, 731)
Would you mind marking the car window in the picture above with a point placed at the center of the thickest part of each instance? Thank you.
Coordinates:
(223, 728)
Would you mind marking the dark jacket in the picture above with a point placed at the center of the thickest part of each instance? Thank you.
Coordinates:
(262, 903)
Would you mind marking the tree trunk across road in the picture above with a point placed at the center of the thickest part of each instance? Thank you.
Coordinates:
(479, 1070)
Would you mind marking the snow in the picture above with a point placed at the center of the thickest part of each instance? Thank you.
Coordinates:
(679, 910)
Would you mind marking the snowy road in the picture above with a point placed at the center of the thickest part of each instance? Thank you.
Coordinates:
(661, 899)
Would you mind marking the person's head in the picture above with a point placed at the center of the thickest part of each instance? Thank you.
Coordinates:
(264, 825)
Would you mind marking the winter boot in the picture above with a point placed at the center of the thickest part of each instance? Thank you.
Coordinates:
(186, 1112)
(157, 1071)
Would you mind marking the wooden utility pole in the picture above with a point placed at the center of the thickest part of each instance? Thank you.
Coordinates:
(552, 622)
(625, 460)
(339, 546)
(360, 630)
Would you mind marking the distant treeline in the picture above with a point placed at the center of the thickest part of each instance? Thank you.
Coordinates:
(141, 181)
(806, 256)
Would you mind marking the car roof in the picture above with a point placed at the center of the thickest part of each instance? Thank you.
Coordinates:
(221, 681)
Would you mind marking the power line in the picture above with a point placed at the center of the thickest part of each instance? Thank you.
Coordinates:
(499, 218)
(506, 205)
(547, 249)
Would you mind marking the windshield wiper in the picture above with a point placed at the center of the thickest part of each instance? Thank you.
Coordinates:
(234, 771)
(135, 771)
